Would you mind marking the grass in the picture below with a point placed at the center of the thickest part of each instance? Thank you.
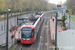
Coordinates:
(53, 14)
(72, 19)
(0, 45)
(14, 47)
(2, 18)
(45, 12)
(53, 47)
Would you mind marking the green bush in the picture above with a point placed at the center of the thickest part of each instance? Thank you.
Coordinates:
(63, 22)
(36, 13)
(53, 14)
(3, 12)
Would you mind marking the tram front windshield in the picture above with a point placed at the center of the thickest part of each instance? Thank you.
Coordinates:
(26, 32)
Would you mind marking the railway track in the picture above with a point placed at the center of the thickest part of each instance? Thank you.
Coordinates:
(19, 46)
(30, 46)
(36, 45)
(43, 44)
(26, 47)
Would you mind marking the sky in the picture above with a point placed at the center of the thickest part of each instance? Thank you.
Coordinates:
(56, 1)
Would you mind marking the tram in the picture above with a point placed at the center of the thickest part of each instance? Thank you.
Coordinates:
(40, 15)
(29, 30)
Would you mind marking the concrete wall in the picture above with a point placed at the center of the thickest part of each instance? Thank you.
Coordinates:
(3, 39)
(66, 40)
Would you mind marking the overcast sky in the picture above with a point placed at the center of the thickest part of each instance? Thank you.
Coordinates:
(56, 1)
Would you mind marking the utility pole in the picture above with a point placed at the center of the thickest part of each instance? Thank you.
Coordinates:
(69, 21)
(17, 21)
(4, 22)
(56, 32)
(7, 32)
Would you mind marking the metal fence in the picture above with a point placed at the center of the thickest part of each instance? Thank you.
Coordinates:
(71, 23)
(2, 27)
(2, 37)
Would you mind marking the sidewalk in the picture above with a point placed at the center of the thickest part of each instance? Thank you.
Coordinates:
(18, 34)
(52, 26)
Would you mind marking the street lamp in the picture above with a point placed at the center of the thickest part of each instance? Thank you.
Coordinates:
(4, 22)
(9, 10)
(56, 32)
(7, 29)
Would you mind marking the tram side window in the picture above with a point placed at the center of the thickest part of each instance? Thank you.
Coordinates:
(33, 32)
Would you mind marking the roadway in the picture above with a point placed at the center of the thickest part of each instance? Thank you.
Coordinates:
(13, 21)
(42, 41)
